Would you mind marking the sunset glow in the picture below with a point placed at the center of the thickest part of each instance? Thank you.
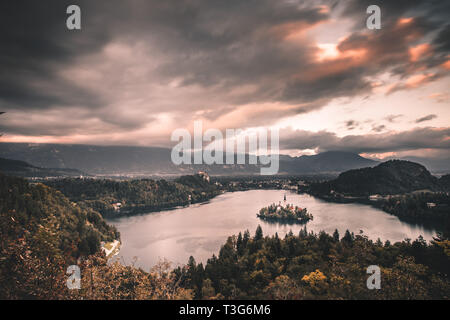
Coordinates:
(303, 66)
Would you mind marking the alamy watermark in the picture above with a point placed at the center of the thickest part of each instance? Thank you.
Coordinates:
(74, 280)
(374, 281)
(374, 20)
(236, 147)
(73, 21)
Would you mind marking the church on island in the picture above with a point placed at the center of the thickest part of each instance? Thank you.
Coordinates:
(286, 212)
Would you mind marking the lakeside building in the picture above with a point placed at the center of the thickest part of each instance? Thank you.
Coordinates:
(204, 175)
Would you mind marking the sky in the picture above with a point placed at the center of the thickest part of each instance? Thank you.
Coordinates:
(137, 70)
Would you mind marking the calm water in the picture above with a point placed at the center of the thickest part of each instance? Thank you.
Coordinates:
(199, 230)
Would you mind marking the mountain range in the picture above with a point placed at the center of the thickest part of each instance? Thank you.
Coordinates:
(118, 160)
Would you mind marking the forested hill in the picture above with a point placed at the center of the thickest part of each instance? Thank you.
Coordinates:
(391, 177)
(444, 181)
(136, 196)
(38, 210)
(42, 233)
(24, 169)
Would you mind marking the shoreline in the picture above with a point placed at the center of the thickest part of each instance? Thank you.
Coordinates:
(113, 251)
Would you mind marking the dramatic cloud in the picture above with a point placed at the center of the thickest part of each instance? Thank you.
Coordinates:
(139, 69)
(418, 138)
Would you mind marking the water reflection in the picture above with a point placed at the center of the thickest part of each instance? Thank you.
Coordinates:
(199, 230)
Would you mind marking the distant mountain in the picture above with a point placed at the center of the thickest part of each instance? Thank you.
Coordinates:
(331, 161)
(23, 169)
(109, 160)
(391, 177)
(91, 159)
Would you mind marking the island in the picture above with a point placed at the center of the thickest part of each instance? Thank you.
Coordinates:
(287, 213)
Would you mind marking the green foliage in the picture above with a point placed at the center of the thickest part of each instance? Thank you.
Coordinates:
(42, 233)
(320, 266)
(287, 213)
(258, 234)
(135, 195)
(420, 207)
(77, 230)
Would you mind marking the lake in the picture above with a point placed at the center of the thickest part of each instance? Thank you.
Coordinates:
(200, 229)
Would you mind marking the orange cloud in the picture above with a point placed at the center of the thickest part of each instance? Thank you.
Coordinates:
(413, 82)
(404, 21)
(419, 51)
(292, 30)
(446, 65)
(327, 51)
(331, 51)
(324, 9)
(418, 79)
(439, 97)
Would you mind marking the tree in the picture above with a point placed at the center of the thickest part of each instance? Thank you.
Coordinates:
(258, 233)
(283, 288)
(239, 244)
(347, 239)
(336, 235)
(246, 238)
(316, 280)
(303, 232)
(208, 289)
(277, 243)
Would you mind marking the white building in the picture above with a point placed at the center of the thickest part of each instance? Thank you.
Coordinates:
(204, 175)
